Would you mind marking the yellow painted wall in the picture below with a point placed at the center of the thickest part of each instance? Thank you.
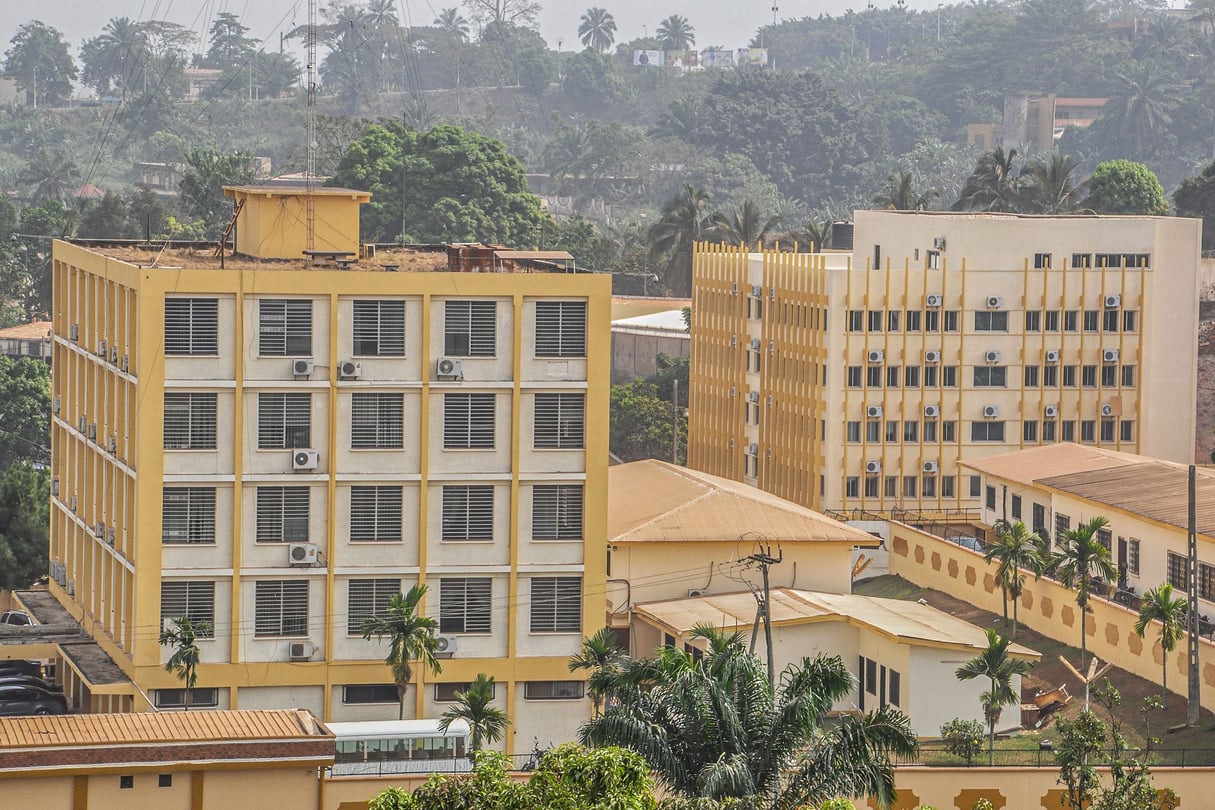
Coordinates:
(273, 225)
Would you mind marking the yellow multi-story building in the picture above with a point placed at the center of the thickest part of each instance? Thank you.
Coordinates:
(860, 378)
(275, 447)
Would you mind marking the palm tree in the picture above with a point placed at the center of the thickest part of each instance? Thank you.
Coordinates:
(682, 223)
(992, 186)
(995, 664)
(1048, 185)
(597, 29)
(452, 22)
(116, 56)
(1141, 102)
(411, 637)
(1158, 605)
(276, 73)
(675, 33)
(745, 226)
(681, 120)
(475, 706)
(899, 193)
(1082, 557)
(602, 656)
(182, 636)
(53, 175)
(714, 728)
(1018, 551)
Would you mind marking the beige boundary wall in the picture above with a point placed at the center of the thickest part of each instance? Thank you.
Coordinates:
(1046, 606)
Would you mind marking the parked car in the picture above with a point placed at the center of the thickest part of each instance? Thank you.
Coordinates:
(19, 700)
(30, 680)
(16, 617)
(17, 666)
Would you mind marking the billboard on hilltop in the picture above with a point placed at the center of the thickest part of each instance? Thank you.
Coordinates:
(717, 58)
(647, 58)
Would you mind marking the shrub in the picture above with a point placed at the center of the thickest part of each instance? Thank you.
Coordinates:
(963, 738)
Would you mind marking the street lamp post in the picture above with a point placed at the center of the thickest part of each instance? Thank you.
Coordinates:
(939, 7)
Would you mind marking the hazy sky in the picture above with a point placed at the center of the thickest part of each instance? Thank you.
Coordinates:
(730, 23)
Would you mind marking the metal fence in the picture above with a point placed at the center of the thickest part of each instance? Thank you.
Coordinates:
(934, 754)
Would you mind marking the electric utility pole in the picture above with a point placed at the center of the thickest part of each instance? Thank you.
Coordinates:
(1195, 685)
(765, 560)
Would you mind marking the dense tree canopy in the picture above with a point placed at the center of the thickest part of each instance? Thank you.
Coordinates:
(39, 60)
(25, 496)
(1124, 187)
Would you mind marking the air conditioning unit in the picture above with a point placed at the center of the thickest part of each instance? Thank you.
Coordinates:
(771, 346)
(753, 396)
(111, 534)
(74, 332)
(753, 449)
(301, 554)
(991, 411)
(1109, 355)
(1051, 411)
(304, 459)
(83, 424)
(733, 340)
(731, 443)
(1052, 356)
(755, 344)
(771, 400)
(733, 392)
(930, 466)
(72, 504)
(102, 349)
(124, 364)
(992, 357)
(112, 444)
(695, 592)
(92, 431)
(938, 243)
(994, 302)
(932, 356)
(114, 354)
(772, 294)
(1113, 301)
(932, 411)
(757, 291)
(445, 645)
(54, 487)
(71, 587)
(873, 466)
(299, 651)
(303, 366)
(56, 405)
(1107, 409)
(934, 301)
(873, 411)
(351, 370)
(449, 368)
(734, 287)
(877, 356)
(99, 529)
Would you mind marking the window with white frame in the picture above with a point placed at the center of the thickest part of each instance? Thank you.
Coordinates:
(284, 327)
(189, 421)
(375, 514)
(468, 512)
(561, 329)
(560, 421)
(280, 608)
(367, 599)
(557, 511)
(282, 514)
(465, 604)
(191, 326)
(377, 421)
(284, 421)
(470, 328)
(556, 605)
(379, 329)
(468, 421)
(553, 690)
(193, 600)
(188, 515)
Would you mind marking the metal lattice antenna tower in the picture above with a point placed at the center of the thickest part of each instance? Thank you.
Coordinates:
(310, 172)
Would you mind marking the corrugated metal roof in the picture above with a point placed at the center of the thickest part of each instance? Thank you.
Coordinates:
(1036, 463)
(625, 306)
(1158, 490)
(550, 255)
(35, 330)
(909, 622)
(158, 727)
(654, 501)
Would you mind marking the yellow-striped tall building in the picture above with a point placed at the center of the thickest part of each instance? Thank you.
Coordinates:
(859, 378)
(276, 446)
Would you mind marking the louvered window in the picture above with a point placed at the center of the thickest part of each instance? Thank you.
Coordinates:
(188, 515)
(368, 598)
(468, 421)
(468, 513)
(561, 329)
(375, 514)
(560, 421)
(189, 421)
(284, 421)
(470, 328)
(191, 326)
(281, 608)
(355, 693)
(285, 328)
(193, 600)
(553, 690)
(377, 421)
(282, 514)
(176, 698)
(379, 328)
(464, 604)
(556, 605)
(557, 511)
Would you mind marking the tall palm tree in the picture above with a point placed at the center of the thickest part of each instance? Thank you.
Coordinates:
(675, 33)
(1142, 101)
(683, 221)
(451, 21)
(899, 193)
(597, 29)
(53, 175)
(602, 656)
(183, 636)
(1049, 185)
(1018, 552)
(992, 186)
(1080, 558)
(411, 637)
(744, 226)
(714, 728)
(116, 56)
(995, 664)
(681, 120)
(1159, 605)
(475, 706)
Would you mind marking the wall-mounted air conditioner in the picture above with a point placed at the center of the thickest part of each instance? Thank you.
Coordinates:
(1052, 356)
(877, 356)
(930, 466)
(873, 411)
(299, 651)
(1109, 355)
(757, 291)
(873, 466)
(991, 411)
(124, 364)
(1051, 411)
(1107, 409)
(302, 554)
(114, 354)
(304, 460)
(992, 357)
(693, 593)
(92, 431)
(755, 344)
(994, 302)
(753, 449)
(445, 646)
(938, 243)
(449, 368)
(733, 340)
(734, 287)
(55, 406)
(934, 301)
(303, 366)
(112, 444)
(74, 332)
(932, 411)
(753, 396)
(351, 370)
(932, 356)
(102, 349)
(1113, 301)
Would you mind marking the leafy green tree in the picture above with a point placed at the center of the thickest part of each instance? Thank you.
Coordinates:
(25, 496)
(39, 60)
(229, 46)
(28, 276)
(53, 176)
(1081, 557)
(182, 637)
(1159, 605)
(25, 401)
(497, 14)
(1017, 551)
(106, 218)
(963, 738)
(411, 637)
(1195, 197)
(900, 192)
(146, 214)
(1049, 185)
(597, 29)
(601, 655)
(276, 73)
(682, 119)
(675, 33)
(683, 222)
(115, 59)
(995, 664)
(461, 186)
(475, 706)
(744, 226)
(642, 424)
(537, 70)
(202, 193)
(1123, 187)
(592, 81)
